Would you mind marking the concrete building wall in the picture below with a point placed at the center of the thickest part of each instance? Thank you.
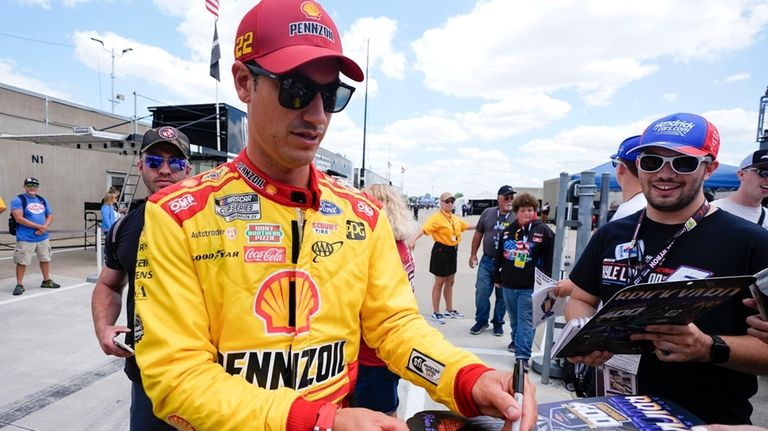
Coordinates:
(69, 177)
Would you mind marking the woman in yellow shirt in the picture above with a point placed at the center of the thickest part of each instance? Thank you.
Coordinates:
(445, 228)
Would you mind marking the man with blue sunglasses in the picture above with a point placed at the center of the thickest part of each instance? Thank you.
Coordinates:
(709, 366)
(747, 201)
(263, 273)
(164, 161)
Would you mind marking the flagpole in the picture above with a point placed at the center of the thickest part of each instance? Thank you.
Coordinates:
(218, 122)
(365, 112)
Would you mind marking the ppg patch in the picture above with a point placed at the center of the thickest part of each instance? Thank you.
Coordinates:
(425, 366)
(355, 230)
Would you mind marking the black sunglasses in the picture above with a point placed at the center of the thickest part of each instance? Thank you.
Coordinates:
(450, 200)
(297, 91)
(155, 162)
(685, 165)
(762, 172)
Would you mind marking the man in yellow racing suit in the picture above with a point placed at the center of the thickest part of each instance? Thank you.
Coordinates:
(254, 280)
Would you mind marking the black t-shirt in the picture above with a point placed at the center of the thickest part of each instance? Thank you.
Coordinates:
(121, 256)
(720, 245)
(533, 245)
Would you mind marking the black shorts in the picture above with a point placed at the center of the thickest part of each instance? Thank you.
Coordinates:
(442, 263)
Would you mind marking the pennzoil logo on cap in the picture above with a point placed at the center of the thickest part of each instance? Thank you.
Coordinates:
(311, 9)
(314, 12)
(168, 133)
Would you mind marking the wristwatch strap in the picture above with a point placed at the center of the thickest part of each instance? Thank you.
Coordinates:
(325, 417)
(720, 351)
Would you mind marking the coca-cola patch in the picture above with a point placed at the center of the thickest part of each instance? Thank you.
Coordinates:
(266, 254)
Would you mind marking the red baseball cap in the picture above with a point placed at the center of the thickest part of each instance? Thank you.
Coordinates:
(281, 35)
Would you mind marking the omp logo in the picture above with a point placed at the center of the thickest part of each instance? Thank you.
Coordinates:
(324, 248)
(364, 208)
(355, 230)
(425, 366)
(182, 203)
(272, 302)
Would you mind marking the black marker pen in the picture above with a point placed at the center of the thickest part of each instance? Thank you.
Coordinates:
(518, 378)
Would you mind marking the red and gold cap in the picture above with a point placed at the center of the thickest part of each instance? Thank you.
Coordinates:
(281, 35)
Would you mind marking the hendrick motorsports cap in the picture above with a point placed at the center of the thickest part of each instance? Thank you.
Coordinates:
(506, 190)
(281, 35)
(166, 134)
(31, 181)
(759, 157)
(625, 147)
(685, 133)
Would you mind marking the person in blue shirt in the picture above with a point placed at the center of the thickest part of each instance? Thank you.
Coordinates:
(108, 213)
(33, 216)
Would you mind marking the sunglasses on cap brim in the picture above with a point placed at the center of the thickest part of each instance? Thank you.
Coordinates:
(297, 91)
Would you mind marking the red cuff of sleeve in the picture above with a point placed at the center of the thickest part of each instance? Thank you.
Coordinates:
(462, 392)
(303, 414)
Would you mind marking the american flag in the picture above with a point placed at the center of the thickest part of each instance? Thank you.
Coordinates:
(213, 7)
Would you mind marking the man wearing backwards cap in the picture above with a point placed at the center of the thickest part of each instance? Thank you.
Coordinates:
(261, 274)
(33, 217)
(626, 175)
(164, 161)
(708, 366)
(747, 201)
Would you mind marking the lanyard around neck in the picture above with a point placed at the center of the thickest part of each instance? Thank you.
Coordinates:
(691, 223)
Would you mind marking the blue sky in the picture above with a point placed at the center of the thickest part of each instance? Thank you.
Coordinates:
(466, 96)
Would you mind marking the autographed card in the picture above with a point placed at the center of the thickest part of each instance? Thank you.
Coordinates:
(545, 303)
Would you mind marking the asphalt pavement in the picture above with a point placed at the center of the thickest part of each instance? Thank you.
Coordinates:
(55, 377)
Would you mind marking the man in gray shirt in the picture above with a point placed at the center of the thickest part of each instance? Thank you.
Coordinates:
(492, 221)
(747, 201)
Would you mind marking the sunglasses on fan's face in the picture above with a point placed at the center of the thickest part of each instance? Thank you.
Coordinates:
(616, 162)
(682, 164)
(297, 91)
(450, 200)
(155, 162)
(762, 172)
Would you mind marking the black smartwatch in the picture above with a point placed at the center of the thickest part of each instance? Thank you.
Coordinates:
(719, 352)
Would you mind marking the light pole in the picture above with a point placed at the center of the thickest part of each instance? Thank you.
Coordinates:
(113, 100)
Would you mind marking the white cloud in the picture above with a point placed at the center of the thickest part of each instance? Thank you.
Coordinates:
(593, 47)
(11, 75)
(737, 77)
(380, 33)
(738, 133)
(45, 4)
(669, 97)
